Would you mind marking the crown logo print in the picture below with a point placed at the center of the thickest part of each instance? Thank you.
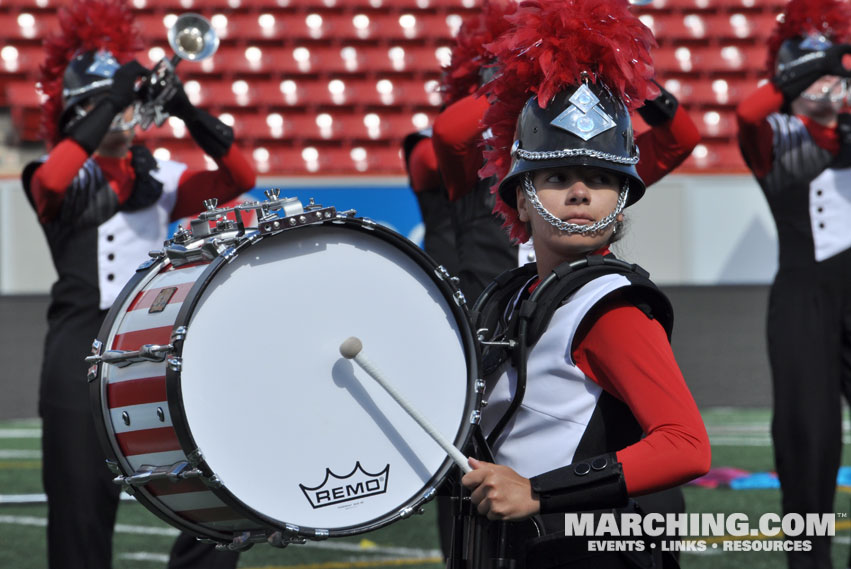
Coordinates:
(336, 489)
(584, 117)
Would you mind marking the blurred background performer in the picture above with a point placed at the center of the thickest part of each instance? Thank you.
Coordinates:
(795, 137)
(607, 414)
(424, 179)
(483, 248)
(103, 204)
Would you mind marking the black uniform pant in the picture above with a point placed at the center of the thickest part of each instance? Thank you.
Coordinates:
(809, 343)
(82, 500)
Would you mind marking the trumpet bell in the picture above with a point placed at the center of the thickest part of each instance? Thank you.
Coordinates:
(192, 37)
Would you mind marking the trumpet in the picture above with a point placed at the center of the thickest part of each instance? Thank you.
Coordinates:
(191, 38)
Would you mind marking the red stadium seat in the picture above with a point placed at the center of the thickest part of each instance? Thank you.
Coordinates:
(25, 110)
(712, 92)
(715, 157)
(26, 27)
(716, 124)
(730, 59)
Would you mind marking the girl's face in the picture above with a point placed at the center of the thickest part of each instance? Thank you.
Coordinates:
(578, 194)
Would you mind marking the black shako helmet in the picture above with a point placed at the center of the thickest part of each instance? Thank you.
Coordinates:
(89, 73)
(794, 48)
(584, 125)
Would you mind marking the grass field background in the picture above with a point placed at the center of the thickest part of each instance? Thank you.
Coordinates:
(740, 438)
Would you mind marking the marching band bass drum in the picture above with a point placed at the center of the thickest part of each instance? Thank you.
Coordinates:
(222, 399)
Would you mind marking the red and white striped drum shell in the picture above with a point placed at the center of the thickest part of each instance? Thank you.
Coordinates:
(286, 434)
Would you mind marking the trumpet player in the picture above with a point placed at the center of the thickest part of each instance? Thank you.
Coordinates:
(103, 203)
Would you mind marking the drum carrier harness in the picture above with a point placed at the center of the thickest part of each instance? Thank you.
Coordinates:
(514, 336)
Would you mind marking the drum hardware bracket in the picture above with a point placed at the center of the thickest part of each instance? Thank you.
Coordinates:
(175, 363)
(273, 226)
(480, 336)
(180, 255)
(480, 386)
(475, 417)
(242, 541)
(406, 513)
(122, 358)
(286, 537)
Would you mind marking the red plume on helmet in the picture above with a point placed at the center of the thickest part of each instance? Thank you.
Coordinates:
(553, 44)
(830, 18)
(463, 74)
(85, 25)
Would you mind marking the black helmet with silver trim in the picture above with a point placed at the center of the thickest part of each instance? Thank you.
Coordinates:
(89, 74)
(584, 125)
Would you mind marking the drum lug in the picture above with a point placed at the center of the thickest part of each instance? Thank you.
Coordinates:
(175, 363)
(97, 349)
(320, 534)
(430, 494)
(368, 224)
(480, 386)
(195, 457)
(406, 513)
(178, 334)
(459, 298)
(475, 417)
(113, 467)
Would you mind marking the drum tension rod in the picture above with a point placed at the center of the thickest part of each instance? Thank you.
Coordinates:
(148, 473)
(123, 358)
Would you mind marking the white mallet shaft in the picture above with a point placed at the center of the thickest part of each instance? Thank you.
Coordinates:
(351, 350)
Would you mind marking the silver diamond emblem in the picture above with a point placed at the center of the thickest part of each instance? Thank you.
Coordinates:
(584, 117)
(104, 64)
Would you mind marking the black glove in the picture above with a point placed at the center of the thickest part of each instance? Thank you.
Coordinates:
(178, 105)
(212, 135)
(794, 77)
(90, 130)
(123, 90)
(661, 109)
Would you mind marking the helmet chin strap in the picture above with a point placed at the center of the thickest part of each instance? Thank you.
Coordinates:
(574, 228)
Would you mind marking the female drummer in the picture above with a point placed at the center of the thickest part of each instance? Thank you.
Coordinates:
(606, 413)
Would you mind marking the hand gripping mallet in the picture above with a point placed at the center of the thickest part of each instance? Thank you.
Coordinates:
(351, 350)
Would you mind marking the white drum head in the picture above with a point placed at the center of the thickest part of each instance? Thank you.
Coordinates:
(295, 431)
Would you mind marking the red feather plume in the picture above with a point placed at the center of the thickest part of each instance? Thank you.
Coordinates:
(85, 25)
(800, 18)
(462, 76)
(550, 45)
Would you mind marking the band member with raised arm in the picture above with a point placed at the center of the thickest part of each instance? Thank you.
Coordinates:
(103, 203)
(795, 136)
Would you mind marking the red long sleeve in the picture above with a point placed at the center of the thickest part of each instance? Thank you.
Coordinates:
(628, 355)
(755, 134)
(456, 135)
(51, 180)
(666, 146)
(422, 167)
(235, 176)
